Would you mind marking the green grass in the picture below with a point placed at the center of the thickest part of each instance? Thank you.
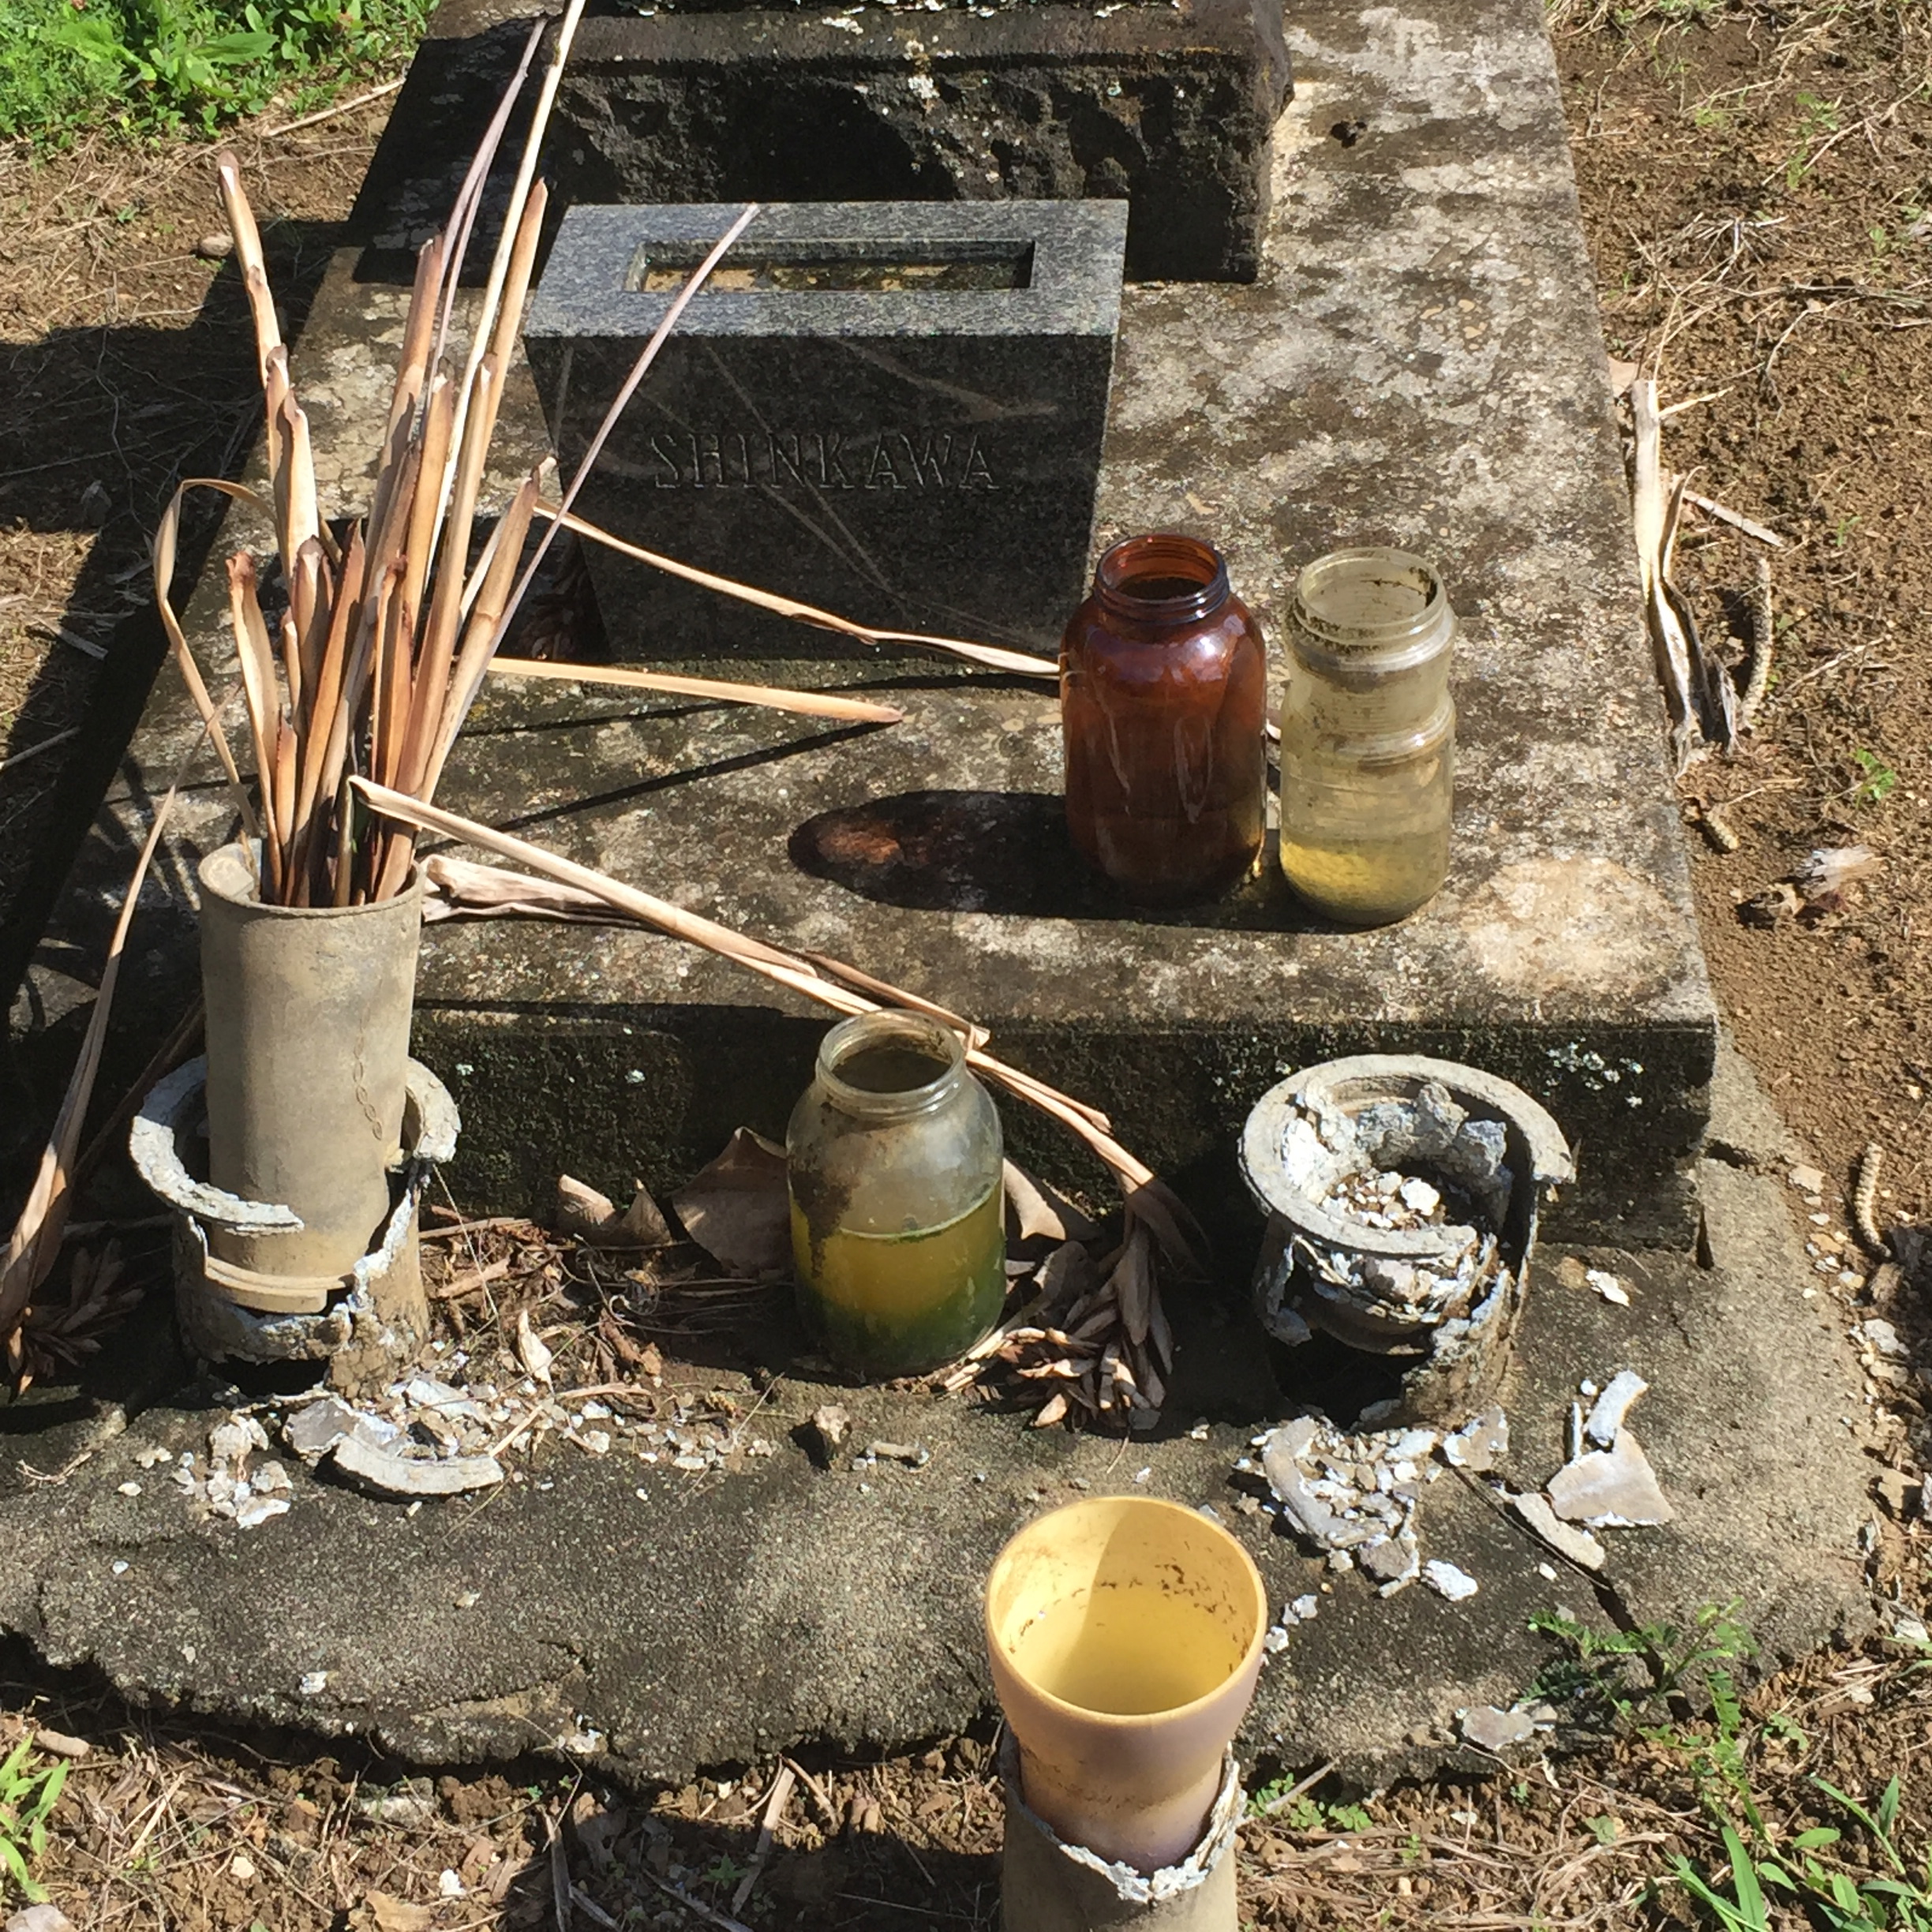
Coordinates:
(29, 1790)
(160, 66)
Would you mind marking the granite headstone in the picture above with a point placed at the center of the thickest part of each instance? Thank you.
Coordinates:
(893, 411)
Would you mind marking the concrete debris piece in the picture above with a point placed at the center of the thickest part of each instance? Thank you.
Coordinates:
(40, 1918)
(411, 1807)
(1479, 1444)
(1880, 1336)
(1903, 1498)
(231, 1442)
(1533, 1510)
(1612, 1488)
(1606, 1413)
(258, 1509)
(1338, 1492)
(1492, 1730)
(1409, 1558)
(271, 1479)
(1447, 1581)
(314, 1682)
(1607, 1286)
(1304, 1513)
(831, 1424)
(1303, 1608)
(1907, 1629)
(1808, 1180)
(390, 1474)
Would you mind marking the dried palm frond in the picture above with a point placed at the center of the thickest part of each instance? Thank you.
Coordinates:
(61, 1334)
(384, 638)
(1156, 1229)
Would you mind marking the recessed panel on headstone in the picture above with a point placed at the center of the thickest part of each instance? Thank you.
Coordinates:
(893, 411)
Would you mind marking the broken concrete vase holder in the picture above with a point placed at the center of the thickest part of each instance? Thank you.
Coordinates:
(1124, 1636)
(299, 1230)
(367, 1323)
(1440, 1302)
(1049, 1885)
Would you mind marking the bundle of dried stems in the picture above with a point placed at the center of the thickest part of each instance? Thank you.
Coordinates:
(385, 634)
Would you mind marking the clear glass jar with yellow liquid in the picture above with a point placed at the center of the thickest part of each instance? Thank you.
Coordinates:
(898, 1215)
(1368, 736)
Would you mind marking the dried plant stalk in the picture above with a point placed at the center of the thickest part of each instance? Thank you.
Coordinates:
(35, 1242)
(385, 640)
(806, 704)
(788, 969)
(1020, 663)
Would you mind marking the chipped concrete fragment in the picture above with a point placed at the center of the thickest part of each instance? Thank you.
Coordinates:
(1607, 1286)
(258, 1509)
(831, 1423)
(390, 1474)
(1480, 1443)
(1610, 1488)
(315, 1428)
(1447, 1581)
(1607, 1414)
(1533, 1510)
(1492, 1730)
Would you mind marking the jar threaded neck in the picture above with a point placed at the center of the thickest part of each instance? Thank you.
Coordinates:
(1161, 579)
(882, 1066)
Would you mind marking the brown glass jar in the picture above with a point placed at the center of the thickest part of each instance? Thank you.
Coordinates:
(1163, 698)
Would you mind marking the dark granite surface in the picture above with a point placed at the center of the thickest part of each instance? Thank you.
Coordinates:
(919, 457)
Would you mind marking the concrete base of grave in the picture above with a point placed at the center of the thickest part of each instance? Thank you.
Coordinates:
(662, 1621)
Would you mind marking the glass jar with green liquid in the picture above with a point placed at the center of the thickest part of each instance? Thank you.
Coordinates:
(898, 1214)
(1368, 736)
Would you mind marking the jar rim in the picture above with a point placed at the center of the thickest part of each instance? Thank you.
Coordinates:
(1320, 583)
(889, 1026)
(1168, 553)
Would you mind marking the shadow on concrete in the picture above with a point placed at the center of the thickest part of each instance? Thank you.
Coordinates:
(1006, 852)
(145, 407)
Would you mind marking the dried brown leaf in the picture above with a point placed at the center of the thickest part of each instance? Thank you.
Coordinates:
(738, 1209)
(1033, 1208)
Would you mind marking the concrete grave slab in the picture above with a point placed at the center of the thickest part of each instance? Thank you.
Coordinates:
(1419, 364)
(660, 1621)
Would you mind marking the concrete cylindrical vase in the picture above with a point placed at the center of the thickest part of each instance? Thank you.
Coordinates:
(308, 1057)
(1437, 1300)
(1124, 1636)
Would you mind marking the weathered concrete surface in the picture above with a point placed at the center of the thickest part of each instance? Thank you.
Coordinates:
(700, 1620)
(1172, 107)
(1419, 364)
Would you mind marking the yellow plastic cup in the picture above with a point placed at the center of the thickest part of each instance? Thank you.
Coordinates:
(1125, 1636)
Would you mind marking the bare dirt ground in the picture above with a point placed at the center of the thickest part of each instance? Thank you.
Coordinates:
(1755, 184)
